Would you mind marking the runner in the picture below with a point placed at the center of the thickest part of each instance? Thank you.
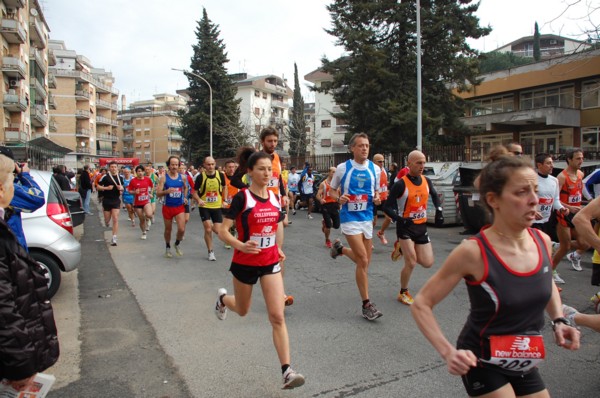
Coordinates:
(209, 191)
(570, 181)
(293, 181)
(111, 186)
(307, 191)
(383, 195)
(505, 268)
(153, 196)
(141, 187)
(173, 188)
(285, 173)
(407, 205)
(97, 179)
(128, 197)
(257, 214)
(190, 186)
(358, 182)
(230, 168)
(583, 224)
(330, 208)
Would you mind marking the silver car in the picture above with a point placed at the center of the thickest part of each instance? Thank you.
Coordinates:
(49, 232)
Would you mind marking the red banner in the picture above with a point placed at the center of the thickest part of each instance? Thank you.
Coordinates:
(121, 161)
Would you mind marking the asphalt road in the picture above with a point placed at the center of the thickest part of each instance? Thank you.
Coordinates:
(156, 317)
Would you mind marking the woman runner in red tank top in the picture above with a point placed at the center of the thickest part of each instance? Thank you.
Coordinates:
(257, 213)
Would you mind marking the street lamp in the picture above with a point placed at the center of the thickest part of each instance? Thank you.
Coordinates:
(185, 72)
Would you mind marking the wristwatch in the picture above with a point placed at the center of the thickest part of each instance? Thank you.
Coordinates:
(560, 320)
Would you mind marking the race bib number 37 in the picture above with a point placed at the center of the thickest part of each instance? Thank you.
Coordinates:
(519, 353)
(357, 202)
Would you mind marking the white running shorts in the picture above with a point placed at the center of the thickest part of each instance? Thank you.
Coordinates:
(357, 228)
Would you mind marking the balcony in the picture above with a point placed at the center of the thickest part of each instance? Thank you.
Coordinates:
(127, 127)
(82, 132)
(13, 67)
(82, 95)
(14, 3)
(38, 86)
(128, 150)
(278, 104)
(51, 58)
(52, 126)
(103, 120)
(15, 102)
(14, 135)
(106, 137)
(37, 56)
(550, 116)
(85, 77)
(175, 137)
(51, 101)
(127, 137)
(82, 114)
(277, 120)
(51, 80)
(36, 33)
(13, 31)
(105, 152)
(39, 116)
(82, 150)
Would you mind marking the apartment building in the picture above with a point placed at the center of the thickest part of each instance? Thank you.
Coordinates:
(264, 103)
(309, 119)
(85, 115)
(26, 100)
(550, 46)
(150, 128)
(328, 132)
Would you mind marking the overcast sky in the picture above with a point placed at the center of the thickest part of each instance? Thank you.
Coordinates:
(139, 41)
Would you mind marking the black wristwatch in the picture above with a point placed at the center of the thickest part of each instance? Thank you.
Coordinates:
(560, 320)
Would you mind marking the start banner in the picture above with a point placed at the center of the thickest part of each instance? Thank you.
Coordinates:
(120, 161)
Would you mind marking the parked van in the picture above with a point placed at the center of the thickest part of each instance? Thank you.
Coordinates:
(443, 175)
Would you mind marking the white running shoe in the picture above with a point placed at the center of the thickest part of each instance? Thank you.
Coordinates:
(570, 313)
(555, 246)
(557, 279)
(148, 224)
(113, 241)
(143, 236)
(211, 256)
(575, 259)
(310, 217)
(220, 309)
(178, 251)
(291, 379)
(168, 253)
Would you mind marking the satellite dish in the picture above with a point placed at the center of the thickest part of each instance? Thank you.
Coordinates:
(33, 12)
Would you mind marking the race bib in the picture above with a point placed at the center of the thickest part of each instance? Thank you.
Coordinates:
(417, 213)
(212, 197)
(273, 182)
(574, 199)
(519, 353)
(176, 194)
(264, 242)
(142, 198)
(293, 185)
(383, 188)
(545, 205)
(357, 202)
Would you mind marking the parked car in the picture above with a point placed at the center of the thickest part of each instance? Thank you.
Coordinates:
(75, 207)
(49, 232)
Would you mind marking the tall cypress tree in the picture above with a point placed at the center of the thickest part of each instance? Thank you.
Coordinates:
(375, 84)
(209, 61)
(537, 54)
(297, 124)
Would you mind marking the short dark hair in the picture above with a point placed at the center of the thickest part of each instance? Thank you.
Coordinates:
(267, 131)
(111, 163)
(540, 158)
(140, 167)
(496, 174)
(571, 152)
(171, 158)
(255, 157)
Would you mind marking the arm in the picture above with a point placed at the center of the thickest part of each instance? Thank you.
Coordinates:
(390, 207)
(583, 223)
(435, 198)
(160, 191)
(465, 260)
(28, 195)
(556, 204)
(320, 192)
(588, 184)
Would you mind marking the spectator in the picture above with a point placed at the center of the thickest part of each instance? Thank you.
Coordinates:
(61, 178)
(85, 189)
(28, 339)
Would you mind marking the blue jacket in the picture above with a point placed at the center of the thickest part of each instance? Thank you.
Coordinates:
(28, 198)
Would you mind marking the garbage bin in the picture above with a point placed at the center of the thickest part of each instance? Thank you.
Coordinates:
(444, 175)
(472, 210)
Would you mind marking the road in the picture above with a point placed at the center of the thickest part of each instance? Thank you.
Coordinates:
(192, 353)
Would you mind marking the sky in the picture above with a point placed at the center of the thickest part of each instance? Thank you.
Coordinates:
(139, 41)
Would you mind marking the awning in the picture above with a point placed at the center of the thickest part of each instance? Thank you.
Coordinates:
(45, 143)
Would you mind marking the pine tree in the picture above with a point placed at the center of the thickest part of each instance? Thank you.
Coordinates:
(209, 61)
(537, 54)
(297, 122)
(375, 84)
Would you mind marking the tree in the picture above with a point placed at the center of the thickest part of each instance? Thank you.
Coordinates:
(537, 54)
(297, 122)
(209, 61)
(494, 61)
(375, 84)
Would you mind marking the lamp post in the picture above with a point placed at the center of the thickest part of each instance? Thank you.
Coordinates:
(185, 72)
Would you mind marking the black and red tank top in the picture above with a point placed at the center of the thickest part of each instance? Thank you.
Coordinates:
(505, 302)
(258, 221)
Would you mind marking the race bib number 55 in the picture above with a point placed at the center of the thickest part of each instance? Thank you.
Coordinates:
(517, 353)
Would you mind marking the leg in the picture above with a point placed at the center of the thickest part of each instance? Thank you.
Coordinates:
(140, 215)
(241, 299)
(180, 219)
(360, 252)
(272, 288)
(564, 239)
(114, 214)
(424, 254)
(106, 214)
(410, 260)
(208, 230)
(168, 228)
(385, 225)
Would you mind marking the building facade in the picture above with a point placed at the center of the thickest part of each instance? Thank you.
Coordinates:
(550, 46)
(26, 100)
(150, 128)
(547, 106)
(85, 117)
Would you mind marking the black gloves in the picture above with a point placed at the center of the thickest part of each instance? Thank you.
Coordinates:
(439, 218)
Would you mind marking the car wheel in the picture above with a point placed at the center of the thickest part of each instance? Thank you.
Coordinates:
(52, 271)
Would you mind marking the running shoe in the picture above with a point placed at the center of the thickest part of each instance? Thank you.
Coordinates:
(557, 278)
(211, 256)
(221, 309)
(310, 217)
(148, 224)
(336, 250)
(294, 212)
(227, 246)
(596, 301)
(382, 238)
(370, 313)
(291, 379)
(143, 236)
(133, 223)
(168, 253)
(397, 253)
(570, 313)
(575, 259)
(178, 251)
(405, 298)
(328, 244)
(289, 300)
(296, 206)
(113, 241)
(555, 246)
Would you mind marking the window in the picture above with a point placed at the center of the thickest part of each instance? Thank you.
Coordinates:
(256, 93)
(487, 106)
(556, 97)
(265, 95)
(590, 94)
(257, 128)
(325, 123)
(326, 142)
(257, 111)
(589, 138)
(480, 145)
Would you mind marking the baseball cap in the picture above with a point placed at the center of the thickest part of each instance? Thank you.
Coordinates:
(6, 151)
